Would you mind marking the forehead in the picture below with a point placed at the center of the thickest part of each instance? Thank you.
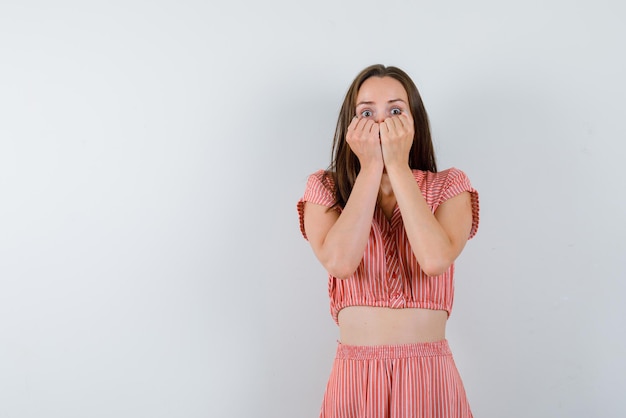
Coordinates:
(381, 89)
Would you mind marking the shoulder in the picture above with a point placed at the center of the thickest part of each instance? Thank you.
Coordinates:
(430, 177)
(320, 189)
(322, 176)
(438, 182)
(443, 185)
(321, 179)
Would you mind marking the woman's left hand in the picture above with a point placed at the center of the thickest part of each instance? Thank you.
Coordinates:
(396, 138)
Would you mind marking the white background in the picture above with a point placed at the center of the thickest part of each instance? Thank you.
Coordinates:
(151, 157)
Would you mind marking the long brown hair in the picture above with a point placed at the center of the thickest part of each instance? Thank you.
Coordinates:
(345, 165)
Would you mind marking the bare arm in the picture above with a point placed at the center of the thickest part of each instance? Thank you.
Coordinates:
(339, 240)
(436, 239)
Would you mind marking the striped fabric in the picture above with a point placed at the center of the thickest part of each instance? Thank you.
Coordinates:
(389, 275)
(395, 381)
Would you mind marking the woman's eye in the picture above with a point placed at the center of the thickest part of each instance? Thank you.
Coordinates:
(366, 113)
(396, 111)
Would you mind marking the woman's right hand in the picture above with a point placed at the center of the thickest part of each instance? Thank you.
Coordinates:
(363, 136)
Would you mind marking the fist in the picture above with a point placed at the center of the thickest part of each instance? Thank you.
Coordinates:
(396, 138)
(363, 137)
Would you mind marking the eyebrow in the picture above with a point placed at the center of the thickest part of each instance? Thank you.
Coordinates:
(370, 103)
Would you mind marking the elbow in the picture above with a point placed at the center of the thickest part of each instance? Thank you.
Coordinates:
(433, 272)
(436, 267)
(341, 273)
(340, 269)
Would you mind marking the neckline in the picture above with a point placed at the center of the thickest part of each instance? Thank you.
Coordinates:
(394, 213)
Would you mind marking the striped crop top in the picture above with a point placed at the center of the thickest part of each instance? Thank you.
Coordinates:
(389, 275)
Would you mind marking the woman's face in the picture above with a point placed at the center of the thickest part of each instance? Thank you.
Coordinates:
(380, 98)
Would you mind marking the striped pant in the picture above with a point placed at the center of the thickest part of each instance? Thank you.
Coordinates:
(395, 381)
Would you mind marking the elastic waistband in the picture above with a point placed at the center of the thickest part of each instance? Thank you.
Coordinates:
(372, 352)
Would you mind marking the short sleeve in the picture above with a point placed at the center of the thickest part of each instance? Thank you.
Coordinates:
(456, 183)
(319, 190)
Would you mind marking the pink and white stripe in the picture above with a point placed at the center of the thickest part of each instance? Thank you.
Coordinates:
(395, 381)
(389, 274)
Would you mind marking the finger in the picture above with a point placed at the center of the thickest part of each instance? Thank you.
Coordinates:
(393, 123)
(356, 126)
(360, 125)
(375, 129)
(398, 122)
(406, 119)
(353, 123)
(384, 129)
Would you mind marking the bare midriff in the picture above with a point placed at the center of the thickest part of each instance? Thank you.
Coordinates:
(368, 325)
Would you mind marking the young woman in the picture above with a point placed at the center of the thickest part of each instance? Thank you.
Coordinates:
(387, 227)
